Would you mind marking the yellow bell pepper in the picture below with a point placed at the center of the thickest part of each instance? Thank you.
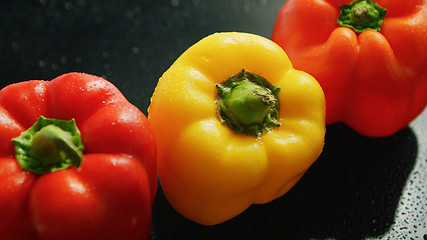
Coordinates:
(235, 125)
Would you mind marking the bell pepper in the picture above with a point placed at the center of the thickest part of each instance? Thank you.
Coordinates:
(235, 125)
(77, 161)
(370, 57)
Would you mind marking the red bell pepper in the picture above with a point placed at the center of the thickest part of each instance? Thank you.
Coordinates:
(85, 170)
(370, 57)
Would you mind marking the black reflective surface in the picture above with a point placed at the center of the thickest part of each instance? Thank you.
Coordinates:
(360, 188)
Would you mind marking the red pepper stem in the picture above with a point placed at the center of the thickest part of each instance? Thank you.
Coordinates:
(49, 145)
(362, 15)
(52, 145)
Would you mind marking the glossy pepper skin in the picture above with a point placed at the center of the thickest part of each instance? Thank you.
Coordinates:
(208, 172)
(111, 193)
(374, 81)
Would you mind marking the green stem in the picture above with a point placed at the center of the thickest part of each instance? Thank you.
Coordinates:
(49, 145)
(362, 15)
(248, 103)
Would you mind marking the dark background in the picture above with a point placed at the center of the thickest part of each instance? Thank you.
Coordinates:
(359, 188)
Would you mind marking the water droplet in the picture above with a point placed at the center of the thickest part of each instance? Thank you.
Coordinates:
(246, 8)
(78, 59)
(68, 6)
(196, 2)
(63, 60)
(81, 3)
(105, 54)
(186, 14)
(175, 3)
(107, 66)
(43, 2)
(42, 63)
(135, 50)
(130, 14)
(54, 66)
(262, 2)
(15, 46)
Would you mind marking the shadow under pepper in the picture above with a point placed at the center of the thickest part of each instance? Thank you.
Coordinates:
(351, 192)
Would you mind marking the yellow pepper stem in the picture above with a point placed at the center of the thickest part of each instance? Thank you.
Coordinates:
(248, 103)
